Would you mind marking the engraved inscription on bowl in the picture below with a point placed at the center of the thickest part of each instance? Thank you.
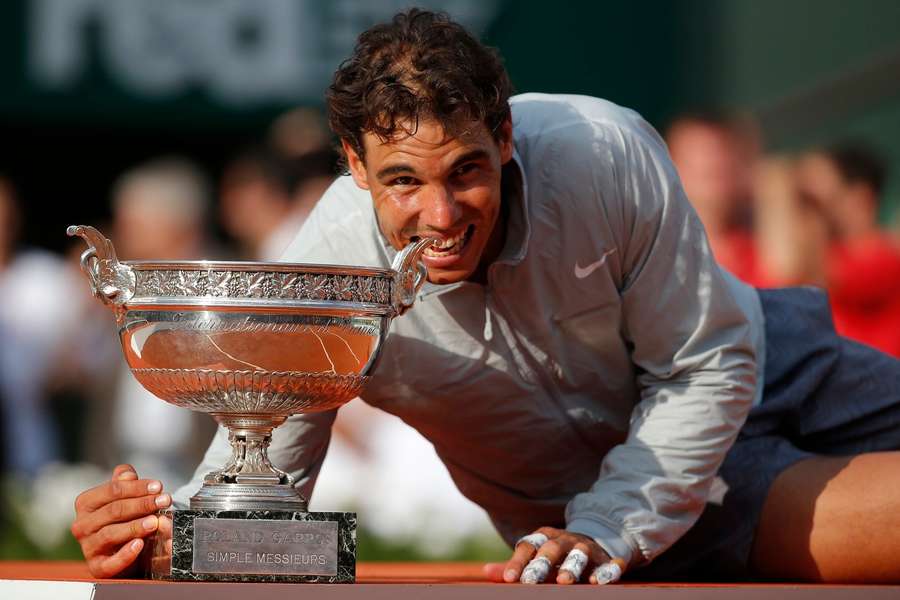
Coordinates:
(235, 362)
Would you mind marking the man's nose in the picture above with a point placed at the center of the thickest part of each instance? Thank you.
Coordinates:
(440, 210)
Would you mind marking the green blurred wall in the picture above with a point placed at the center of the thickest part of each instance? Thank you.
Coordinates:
(816, 71)
(811, 71)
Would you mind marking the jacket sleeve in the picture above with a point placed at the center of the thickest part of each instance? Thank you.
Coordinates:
(691, 346)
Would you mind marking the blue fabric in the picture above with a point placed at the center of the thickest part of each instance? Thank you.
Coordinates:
(823, 395)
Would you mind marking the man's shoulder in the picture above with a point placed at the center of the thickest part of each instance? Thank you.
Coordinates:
(340, 230)
(543, 114)
(583, 136)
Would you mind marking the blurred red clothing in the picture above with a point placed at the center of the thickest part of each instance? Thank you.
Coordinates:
(736, 252)
(864, 288)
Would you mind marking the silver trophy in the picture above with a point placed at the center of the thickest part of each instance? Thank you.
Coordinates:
(252, 343)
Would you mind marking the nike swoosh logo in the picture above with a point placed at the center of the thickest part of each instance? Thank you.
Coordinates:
(582, 272)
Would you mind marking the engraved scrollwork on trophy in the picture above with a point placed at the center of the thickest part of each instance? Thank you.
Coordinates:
(319, 286)
(286, 285)
(192, 283)
(345, 287)
(371, 289)
(366, 289)
(149, 283)
(218, 283)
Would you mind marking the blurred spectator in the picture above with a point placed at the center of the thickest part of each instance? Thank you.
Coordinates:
(818, 223)
(302, 139)
(862, 263)
(715, 157)
(791, 236)
(160, 211)
(254, 200)
(265, 198)
(35, 320)
(299, 132)
(309, 177)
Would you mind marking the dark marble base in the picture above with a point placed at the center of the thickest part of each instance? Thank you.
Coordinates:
(243, 546)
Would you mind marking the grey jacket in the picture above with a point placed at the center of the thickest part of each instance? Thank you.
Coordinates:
(599, 378)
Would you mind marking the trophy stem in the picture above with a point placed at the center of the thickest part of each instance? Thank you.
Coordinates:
(248, 480)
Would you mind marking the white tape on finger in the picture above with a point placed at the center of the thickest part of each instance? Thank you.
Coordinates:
(609, 572)
(575, 563)
(536, 571)
(536, 540)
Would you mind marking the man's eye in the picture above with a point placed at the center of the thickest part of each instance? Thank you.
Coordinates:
(403, 180)
(465, 169)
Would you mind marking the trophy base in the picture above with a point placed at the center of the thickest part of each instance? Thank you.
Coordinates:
(253, 546)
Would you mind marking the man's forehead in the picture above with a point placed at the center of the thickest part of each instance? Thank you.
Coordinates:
(429, 133)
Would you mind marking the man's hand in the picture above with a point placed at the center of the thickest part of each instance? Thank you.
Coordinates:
(571, 554)
(112, 519)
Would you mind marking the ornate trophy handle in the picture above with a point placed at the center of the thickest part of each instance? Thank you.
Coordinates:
(111, 281)
(409, 274)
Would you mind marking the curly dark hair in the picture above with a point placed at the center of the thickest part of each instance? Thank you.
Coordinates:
(421, 65)
(858, 162)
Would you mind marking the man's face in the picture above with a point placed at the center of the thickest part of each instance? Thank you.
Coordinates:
(715, 175)
(820, 183)
(431, 184)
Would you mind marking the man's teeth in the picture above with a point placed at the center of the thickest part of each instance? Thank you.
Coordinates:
(445, 247)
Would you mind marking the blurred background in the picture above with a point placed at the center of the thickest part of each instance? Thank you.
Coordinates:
(194, 128)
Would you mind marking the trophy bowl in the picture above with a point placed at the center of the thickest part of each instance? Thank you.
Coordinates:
(250, 343)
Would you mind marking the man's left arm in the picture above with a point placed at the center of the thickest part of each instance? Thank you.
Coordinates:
(691, 344)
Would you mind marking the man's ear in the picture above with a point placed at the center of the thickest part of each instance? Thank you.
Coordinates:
(505, 139)
(357, 165)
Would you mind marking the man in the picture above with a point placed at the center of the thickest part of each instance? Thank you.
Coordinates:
(862, 263)
(715, 157)
(578, 359)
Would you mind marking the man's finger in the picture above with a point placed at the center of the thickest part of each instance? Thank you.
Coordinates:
(537, 570)
(547, 556)
(522, 554)
(164, 532)
(165, 525)
(103, 494)
(574, 564)
(494, 571)
(119, 511)
(608, 572)
(124, 472)
(108, 566)
(113, 536)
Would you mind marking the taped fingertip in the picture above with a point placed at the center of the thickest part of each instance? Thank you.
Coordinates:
(536, 571)
(609, 572)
